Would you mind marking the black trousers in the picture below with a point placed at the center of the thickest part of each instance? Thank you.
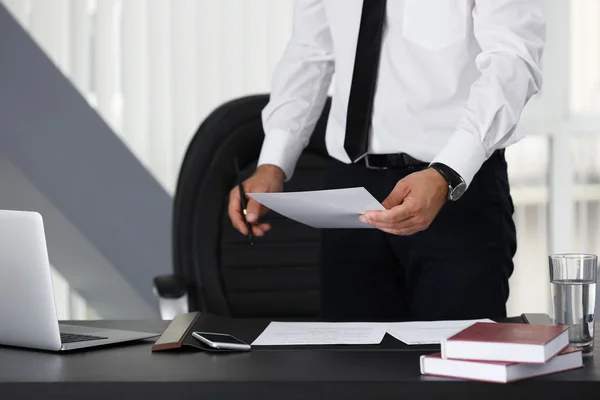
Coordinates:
(458, 268)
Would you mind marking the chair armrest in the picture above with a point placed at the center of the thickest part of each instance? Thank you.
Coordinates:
(172, 296)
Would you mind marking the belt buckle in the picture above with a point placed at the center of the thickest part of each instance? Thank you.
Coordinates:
(369, 166)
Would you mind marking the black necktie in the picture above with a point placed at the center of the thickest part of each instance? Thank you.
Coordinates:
(364, 79)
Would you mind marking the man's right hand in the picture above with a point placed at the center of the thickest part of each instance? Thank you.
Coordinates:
(267, 179)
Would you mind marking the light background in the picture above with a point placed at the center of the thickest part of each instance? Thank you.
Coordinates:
(154, 69)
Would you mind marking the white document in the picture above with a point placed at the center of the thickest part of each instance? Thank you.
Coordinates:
(429, 332)
(339, 208)
(317, 333)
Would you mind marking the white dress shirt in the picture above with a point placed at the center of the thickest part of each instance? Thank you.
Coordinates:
(453, 79)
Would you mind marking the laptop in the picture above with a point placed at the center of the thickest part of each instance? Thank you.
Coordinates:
(27, 311)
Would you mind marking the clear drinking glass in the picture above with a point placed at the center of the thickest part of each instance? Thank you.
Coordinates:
(573, 289)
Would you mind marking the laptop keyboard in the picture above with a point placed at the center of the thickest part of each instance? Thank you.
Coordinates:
(73, 338)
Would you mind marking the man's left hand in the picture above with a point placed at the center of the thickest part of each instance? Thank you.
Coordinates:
(412, 205)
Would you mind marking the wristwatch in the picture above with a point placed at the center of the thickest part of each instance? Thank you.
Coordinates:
(456, 184)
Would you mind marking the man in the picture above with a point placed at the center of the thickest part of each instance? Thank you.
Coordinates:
(428, 93)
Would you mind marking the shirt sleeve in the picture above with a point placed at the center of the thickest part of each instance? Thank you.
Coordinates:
(299, 88)
(512, 35)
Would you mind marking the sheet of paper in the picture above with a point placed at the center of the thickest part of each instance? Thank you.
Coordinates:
(338, 208)
(317, 333)
(429, 332)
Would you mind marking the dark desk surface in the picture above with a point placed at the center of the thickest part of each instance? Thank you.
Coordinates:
(347, 372)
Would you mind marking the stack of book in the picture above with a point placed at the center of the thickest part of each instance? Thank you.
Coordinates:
(503, 353)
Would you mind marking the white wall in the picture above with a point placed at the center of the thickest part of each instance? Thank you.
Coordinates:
(155, 68)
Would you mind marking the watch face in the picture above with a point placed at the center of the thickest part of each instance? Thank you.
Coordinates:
(458, 191)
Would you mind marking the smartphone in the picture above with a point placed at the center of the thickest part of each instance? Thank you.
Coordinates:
(221, 341)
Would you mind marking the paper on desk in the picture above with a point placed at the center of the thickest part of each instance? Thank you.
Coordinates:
(317, 333)
(429, 332)
(338, 208)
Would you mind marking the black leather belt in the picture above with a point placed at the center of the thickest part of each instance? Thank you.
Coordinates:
(391, 161)
(400, 160)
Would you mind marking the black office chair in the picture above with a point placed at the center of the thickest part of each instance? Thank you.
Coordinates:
(216, 270)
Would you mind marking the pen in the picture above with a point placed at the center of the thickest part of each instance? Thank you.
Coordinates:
(243, 199)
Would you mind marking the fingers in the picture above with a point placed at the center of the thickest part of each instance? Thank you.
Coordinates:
(254, 211)
(237, 218)
(405, 219)
(405, 224)
(265, 227)
(411, 230)
(409, 208)
(235, 212)
(260, 229)
(397, 196)
(397, 215)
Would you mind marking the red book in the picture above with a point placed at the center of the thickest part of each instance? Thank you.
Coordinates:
(522, 343)
(499, 372)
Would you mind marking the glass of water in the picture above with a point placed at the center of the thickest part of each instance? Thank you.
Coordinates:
(573, 289)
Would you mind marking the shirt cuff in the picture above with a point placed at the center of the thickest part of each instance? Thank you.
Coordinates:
(281, 149)
(464, 153)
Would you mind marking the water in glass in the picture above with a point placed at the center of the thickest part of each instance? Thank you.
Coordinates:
(574, 302)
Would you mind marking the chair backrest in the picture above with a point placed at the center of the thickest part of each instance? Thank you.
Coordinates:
(278, 276)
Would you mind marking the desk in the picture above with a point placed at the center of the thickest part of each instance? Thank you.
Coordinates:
(133, 372)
